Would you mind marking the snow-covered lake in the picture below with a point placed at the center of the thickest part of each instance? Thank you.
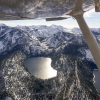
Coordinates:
(97, 79)
(40, 67)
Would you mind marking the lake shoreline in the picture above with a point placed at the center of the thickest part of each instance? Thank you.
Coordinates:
(40, 67)
(96, 79)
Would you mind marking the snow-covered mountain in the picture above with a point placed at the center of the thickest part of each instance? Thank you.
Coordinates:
(70, 57)
(43, 31)
(78, 31)
(40, 39)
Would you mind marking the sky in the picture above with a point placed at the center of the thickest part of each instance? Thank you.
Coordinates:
(92, 18)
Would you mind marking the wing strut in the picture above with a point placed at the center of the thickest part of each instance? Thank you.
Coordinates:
(77, 13)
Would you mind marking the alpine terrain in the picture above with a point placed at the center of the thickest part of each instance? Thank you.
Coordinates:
(70, 57)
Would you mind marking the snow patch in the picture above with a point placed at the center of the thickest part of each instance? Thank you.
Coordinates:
(8, 98)
(1, 45)
(89, 55)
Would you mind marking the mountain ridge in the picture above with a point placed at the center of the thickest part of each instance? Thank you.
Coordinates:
(70, 57)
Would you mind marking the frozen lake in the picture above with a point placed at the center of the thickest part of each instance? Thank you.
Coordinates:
(40, 67)
(97, 79)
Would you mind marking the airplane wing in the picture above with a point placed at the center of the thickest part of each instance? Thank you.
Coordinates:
(54, 10)
(38, 9)
(56, 18)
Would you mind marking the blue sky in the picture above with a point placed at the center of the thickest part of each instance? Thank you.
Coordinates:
(92, 18)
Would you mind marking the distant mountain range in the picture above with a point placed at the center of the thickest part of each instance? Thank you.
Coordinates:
(40, 38)
(70, 57)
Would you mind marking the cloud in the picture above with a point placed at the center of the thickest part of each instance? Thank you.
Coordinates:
(92, 13)
(89, 13)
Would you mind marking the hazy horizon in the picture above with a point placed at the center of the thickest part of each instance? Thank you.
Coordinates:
(91, 17)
